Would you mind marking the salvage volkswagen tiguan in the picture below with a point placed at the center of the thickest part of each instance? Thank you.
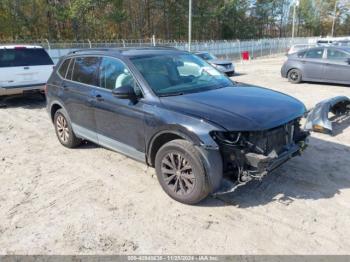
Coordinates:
(201, 131)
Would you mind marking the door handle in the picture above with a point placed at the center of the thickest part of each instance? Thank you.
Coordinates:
(65, 88)
(26, 67)
(99, 98)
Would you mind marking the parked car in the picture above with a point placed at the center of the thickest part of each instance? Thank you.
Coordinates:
(295, 48)
(320, 64)
(223, 66)
(192, 128)
(345, 43)
(324, 42)
(23, 69)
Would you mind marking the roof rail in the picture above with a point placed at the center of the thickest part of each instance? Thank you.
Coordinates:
(92, 49)
(119, 49)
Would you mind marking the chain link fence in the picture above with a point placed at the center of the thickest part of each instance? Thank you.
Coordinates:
(228, 49)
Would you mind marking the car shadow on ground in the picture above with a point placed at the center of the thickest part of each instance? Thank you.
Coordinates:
(326, 84)
(89, 145)
(29, 101)
(320, 173)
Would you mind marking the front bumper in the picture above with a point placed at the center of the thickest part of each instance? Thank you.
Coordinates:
(252, 155)
(229, 70)
(263, 165)
(284, 71)
(268, 163)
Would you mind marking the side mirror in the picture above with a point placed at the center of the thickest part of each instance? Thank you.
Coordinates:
(348, 61)
(125, 92)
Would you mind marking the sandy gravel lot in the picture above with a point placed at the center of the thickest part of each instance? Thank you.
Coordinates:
(91, 200)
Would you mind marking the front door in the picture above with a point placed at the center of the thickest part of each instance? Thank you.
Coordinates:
(313, 64)
(119, 122)
(337, 67)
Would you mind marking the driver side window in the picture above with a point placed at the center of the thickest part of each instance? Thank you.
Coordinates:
(114, 74)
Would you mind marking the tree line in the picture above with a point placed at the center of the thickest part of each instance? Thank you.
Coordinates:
(59, 20)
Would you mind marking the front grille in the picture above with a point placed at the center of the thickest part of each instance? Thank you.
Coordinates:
(275, 139)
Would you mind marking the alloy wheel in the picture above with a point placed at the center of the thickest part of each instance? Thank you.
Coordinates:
(178, 173)
(294, 75)
(62, 128)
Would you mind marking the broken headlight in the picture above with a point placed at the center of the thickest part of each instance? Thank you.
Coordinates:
(231, 138)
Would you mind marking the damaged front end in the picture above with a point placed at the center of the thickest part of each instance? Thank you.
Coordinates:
(252, 155)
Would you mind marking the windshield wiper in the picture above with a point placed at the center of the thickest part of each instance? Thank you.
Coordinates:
(171, 94)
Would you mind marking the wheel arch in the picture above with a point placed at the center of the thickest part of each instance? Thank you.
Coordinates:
(164, 136)
(53, 110)
(292, 68)
(56, 105)
(212, 159)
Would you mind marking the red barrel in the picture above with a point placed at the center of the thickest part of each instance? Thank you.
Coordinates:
(245, 55)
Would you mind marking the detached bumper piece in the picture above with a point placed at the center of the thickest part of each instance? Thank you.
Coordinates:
(318, 118)
(255, 154)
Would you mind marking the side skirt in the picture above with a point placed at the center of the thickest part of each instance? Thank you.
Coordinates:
(109, 143)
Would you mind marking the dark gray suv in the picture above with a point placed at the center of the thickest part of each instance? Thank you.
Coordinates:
(170, 109)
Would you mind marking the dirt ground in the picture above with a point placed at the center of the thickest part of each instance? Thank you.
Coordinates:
(91, 200)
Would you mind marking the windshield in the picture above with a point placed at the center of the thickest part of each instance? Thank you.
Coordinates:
(206, 56)
(177, 74)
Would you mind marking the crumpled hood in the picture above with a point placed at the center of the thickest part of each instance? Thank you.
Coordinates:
(238, 108)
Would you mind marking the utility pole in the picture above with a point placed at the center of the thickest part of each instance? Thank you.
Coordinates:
(296, 3)
(189, 25)
(334, 16)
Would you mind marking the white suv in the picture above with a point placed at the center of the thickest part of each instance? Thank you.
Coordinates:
(23, 69)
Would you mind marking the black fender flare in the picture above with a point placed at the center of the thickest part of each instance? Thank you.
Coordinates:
(171, 129)
(211, 157)
(56, 102)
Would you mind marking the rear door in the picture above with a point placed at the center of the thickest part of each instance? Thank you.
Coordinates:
(313, 64)
(76, 93)
(21, 67)
(337, 67)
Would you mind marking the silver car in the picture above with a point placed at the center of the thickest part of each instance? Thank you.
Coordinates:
(327, 64)
(223, 66)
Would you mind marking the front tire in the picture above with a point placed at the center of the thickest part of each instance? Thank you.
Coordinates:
(294, 76)
(181, 173)
(64, 130)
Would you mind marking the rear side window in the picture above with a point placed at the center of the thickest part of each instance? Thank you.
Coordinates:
(316, 53)
(24, 57)
(337, 55)
(63, 68)
(86, 70)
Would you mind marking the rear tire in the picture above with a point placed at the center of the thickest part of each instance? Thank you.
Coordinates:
(64, 130)
(181, 173)
(2, 102)
(294, 76)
